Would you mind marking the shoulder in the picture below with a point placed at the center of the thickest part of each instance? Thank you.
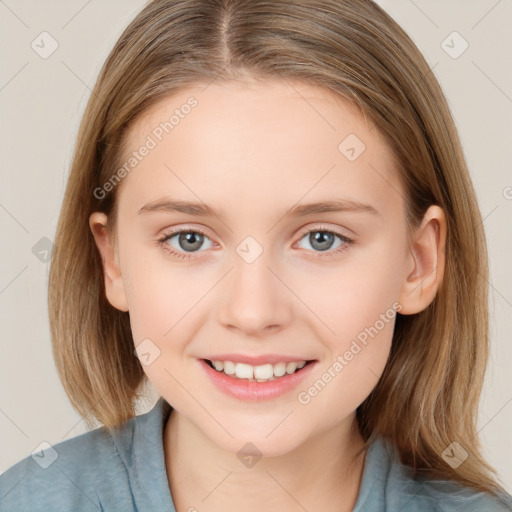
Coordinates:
(442, 496)
(70, 475)
(387, 484)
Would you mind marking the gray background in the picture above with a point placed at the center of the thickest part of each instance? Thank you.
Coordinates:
(41, 103)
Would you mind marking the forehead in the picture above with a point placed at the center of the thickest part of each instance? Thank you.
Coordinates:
(263, 141)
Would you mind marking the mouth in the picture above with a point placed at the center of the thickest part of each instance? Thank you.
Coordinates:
(239, 381)
(261, 373)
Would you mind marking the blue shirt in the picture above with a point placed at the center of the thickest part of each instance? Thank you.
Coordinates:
(125, 471)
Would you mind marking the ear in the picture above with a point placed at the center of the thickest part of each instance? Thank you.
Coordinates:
(114, 285)
(425, 263)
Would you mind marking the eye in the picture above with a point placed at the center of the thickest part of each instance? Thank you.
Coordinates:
(322, 239)
(187, 241)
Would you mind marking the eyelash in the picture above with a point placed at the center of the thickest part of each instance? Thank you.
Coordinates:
(167, 236)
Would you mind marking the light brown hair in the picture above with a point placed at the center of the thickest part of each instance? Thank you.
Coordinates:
(429, 392)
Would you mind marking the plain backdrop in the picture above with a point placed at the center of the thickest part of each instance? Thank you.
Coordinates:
(41, 103)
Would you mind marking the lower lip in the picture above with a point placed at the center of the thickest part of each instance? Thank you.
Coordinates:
(256, 391)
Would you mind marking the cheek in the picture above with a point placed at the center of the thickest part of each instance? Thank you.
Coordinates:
(166, 301)
(358, 304)
(161, 306)
(160, 292)
(355, 356)
(353, 295)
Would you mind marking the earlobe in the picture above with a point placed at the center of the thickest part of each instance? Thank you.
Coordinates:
(114, 284)
(426, 263)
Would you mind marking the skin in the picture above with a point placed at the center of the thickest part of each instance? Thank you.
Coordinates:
(254, 151)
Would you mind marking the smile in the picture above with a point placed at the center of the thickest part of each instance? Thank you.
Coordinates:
(261, 373)
(256, 383)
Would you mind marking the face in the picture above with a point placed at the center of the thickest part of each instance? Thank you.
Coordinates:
(256, 278)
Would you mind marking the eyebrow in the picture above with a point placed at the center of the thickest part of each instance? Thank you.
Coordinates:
(169, 205)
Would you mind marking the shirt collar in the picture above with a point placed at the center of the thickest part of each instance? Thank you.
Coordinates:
(140, 446)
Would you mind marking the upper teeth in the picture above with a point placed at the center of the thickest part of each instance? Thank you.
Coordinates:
(259, 373)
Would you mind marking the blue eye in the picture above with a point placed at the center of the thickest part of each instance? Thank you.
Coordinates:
(322, 240)
(190, 241)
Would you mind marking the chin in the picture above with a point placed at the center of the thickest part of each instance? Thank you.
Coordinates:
(256, 441)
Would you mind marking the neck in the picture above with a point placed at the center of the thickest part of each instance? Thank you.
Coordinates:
(322, 474)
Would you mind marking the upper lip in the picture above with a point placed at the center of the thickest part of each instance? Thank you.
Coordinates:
(257, 360)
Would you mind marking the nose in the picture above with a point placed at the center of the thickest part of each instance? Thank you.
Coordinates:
(256, 300)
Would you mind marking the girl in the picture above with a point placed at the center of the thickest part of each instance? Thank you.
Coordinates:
(269, 218)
